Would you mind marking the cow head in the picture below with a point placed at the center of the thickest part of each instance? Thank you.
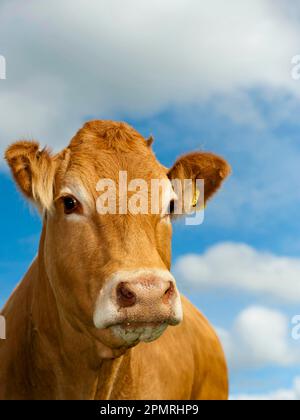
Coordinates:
(109, 271)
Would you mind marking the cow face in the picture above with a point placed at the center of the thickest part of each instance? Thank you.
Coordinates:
(108, 263)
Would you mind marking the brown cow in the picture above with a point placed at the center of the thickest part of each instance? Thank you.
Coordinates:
(85, 321)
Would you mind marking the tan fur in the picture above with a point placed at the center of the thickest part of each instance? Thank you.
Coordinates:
(53, 350)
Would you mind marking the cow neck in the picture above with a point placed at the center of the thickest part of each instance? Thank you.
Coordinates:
(64, 359)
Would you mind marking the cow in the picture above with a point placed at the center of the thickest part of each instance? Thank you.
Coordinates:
(98, 315)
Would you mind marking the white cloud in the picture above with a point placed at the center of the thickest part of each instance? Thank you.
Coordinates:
(66, 62)
(259, 337)
(292, 394)
(239, 267)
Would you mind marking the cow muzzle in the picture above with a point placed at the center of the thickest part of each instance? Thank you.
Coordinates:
(138, 306)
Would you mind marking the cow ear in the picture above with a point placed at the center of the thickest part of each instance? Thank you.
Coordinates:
(33, 170)
(208, 167)
(150, 141)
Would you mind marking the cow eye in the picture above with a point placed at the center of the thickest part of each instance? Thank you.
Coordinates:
(70, 204)
(172, 206)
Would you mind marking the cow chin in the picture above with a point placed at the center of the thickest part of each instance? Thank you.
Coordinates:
(133, 333)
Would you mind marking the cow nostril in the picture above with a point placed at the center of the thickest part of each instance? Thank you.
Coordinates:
(169, 292)
(125, 296)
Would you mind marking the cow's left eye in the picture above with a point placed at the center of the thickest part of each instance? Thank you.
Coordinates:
(70, 204)
(172, 206)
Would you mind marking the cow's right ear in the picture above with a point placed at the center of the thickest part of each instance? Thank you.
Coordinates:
(33, 170)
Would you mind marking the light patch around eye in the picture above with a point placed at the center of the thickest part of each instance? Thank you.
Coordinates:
(78, 191)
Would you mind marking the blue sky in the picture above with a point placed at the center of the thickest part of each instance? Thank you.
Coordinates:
(199, 89)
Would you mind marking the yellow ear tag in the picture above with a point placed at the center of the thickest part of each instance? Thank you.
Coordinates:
(196, 198)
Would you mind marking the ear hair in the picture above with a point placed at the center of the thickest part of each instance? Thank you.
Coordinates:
(150, 141)
(33, 170)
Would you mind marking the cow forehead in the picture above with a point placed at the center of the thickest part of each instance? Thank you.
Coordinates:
(83, 183)
(103, 149)
(89, 170)
(98, 164)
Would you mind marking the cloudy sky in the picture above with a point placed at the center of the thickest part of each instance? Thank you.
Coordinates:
(196, 74)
